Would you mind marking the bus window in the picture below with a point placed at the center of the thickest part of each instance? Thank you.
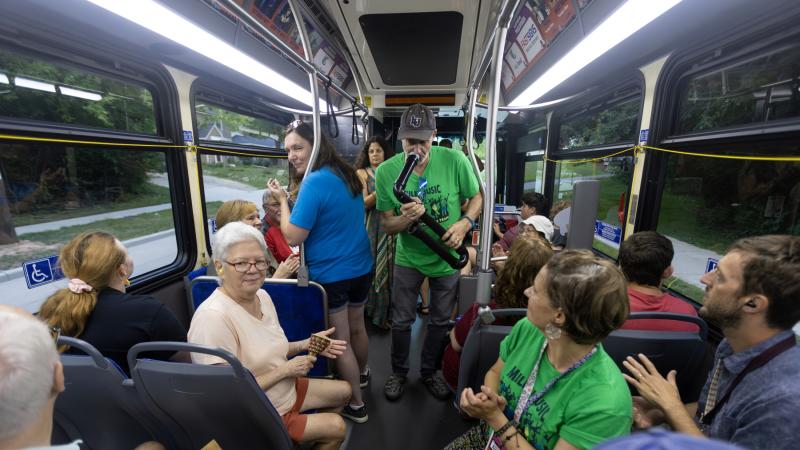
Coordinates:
(615, 176)
(757, 90)
(51, 191)
(534, 171)
(237, 165)
(533, 144)
(38, 90)
(708, 203)
(592, 134)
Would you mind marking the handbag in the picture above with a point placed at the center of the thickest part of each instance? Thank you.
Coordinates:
(473, 439)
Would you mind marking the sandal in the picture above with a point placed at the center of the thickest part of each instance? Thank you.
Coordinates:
(423, 309)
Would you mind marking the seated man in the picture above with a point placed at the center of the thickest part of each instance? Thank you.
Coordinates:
(31, 377)
(533, 203)
(646, 260)
(750, 398)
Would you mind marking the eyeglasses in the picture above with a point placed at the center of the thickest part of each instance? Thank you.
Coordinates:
(244, 266)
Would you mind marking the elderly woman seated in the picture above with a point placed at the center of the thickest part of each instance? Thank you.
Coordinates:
(240, 318)
(553, 386)
(247, 213)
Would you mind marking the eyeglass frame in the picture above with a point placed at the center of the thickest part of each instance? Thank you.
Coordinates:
(249, 265)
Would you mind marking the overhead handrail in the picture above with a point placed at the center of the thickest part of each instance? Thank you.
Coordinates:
(306, 64)
(507, 10)
(399, 188)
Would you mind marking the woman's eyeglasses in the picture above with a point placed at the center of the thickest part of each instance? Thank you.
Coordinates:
(244, 266)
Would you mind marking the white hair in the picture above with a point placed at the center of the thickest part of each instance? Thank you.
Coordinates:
(27, 358)
(234, 233)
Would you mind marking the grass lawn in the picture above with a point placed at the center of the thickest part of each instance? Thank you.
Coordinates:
(606, 249)
(150, 194)
(252, 175)
(693, 292)
(211, 209)
(50, 242)
(678, 219)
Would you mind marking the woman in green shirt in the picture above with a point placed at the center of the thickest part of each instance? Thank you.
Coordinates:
(553, 386)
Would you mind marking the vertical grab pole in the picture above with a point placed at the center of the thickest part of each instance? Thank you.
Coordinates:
(302, 272)
(484, 274)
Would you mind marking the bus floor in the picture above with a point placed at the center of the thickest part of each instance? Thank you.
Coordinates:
(415, 421)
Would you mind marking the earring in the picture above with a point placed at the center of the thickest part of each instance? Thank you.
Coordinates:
(552, 332)
(126, 282)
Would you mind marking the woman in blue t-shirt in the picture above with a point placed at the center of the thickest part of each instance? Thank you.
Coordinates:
(328, 217)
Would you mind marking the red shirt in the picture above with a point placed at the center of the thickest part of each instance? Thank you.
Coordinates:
(641, 302)
(276, 242)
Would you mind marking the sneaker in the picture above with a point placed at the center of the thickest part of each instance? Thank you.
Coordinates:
(395, 386)
(436, 387)
(364, 378)
(356, 415)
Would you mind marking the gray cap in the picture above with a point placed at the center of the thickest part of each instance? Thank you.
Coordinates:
(417, 122)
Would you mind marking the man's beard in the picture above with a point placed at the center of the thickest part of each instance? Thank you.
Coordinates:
(725, 318)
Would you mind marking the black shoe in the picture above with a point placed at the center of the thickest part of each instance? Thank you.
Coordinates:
(395, 386)
(356, 415)
(364, 378)
(437, 387)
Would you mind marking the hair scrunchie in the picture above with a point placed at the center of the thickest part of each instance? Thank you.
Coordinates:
(76, 285)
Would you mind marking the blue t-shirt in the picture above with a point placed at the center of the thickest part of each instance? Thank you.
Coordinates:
(337, 247)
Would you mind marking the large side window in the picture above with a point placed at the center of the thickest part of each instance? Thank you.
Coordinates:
(533, 144)
(242, 151)
(590, 142)
(759, 89)
(50, 191)
(708, 202)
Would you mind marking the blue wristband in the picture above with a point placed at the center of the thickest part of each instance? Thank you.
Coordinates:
(471, 222)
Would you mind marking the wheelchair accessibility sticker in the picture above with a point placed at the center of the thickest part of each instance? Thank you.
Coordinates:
(42, 271)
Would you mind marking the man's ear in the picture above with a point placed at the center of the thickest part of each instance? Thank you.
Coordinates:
(756, 304)
(58, 379)
(667, 272)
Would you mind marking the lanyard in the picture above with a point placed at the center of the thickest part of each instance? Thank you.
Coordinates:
(764, 357)
(528, 397)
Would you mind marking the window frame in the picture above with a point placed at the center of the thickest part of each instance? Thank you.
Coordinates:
(131, 69)
(203, 90)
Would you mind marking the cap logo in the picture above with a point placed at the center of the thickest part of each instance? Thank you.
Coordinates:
(415, 121)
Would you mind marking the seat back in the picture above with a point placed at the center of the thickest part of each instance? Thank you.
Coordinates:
(100, 405)
(201, 403)
(482, 348)
(200, 288)
(685, 352)
(302, 311)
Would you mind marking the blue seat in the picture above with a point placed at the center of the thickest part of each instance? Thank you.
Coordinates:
(686, 352)
(100, 405)
(204, 403)
(302, 311)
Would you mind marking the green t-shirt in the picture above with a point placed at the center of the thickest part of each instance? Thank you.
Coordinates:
(450, 180)
(586, 407)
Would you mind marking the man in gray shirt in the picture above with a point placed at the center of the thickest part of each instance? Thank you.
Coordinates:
(751, 395)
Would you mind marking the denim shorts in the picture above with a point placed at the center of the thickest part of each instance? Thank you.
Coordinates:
(351, 292)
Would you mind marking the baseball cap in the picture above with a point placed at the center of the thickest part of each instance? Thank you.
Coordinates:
(656, 439)
(542, 225)
(417, 122)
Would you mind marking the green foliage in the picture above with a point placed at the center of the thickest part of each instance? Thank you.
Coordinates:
(228, 123)
(608, 126)
(122, 106)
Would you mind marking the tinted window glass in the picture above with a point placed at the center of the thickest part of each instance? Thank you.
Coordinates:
(609, 125)
(708, 203)
(614, 175)
(534, 179)
(38, 90)
(49, 193)
(757, 90)
(222, 125)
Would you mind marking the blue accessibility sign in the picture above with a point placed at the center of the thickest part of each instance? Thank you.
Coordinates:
(711, 264)
(187, 136)
(608, 232)
(42, 271)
